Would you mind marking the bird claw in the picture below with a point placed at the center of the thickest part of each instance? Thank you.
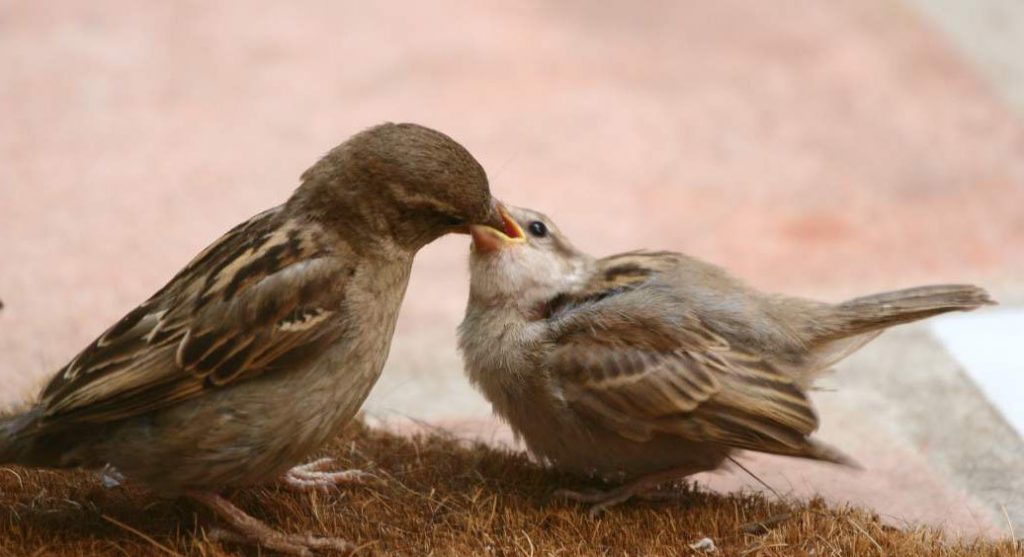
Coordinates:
(641, 487)
(600, 500)
(248, 530)
(316, 475)
(301, 545)
(588, 496)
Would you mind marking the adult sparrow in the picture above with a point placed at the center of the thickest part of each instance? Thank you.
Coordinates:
(650, 366)
(268, 341)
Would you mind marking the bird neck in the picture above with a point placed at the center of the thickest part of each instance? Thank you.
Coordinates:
(498, 347)
(514, 310)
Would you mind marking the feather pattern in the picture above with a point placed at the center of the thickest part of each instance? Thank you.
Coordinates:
(245, 304)
(634, 358)
(628, 367)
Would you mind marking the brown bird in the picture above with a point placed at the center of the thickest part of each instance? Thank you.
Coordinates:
(651, 366)
(266, 344)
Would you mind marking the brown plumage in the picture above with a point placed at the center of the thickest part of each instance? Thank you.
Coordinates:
(655, 365)
(263, 346)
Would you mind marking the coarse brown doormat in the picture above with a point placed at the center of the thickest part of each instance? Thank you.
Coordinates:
(441, 496)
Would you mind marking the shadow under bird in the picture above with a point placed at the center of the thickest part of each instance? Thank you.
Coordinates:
(267, 343)
(651, 366)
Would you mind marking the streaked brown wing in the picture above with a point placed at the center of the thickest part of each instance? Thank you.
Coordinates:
(258, 297)
(638, 361)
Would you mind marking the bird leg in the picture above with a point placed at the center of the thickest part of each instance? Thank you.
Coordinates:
(317, 476)
(603, 500)
(249, 530)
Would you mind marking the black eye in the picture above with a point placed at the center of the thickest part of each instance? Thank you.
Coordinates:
(537, 229)
(451, 220)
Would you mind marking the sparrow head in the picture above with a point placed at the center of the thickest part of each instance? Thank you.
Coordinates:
(400, 182)
(525, 262)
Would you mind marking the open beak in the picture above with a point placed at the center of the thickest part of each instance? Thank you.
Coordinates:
(487, 239)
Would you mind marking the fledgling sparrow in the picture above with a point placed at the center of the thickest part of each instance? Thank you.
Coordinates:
(651, 366)
(266, 344)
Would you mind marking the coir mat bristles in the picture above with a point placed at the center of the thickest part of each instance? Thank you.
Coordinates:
(441, 496)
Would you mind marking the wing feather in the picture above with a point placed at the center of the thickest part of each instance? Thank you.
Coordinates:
(267, 292)
(634, 357)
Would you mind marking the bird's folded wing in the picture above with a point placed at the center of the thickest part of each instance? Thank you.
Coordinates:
(262, 296)
(639, 362)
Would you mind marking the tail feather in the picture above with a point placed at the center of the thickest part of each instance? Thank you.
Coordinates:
(819, 450)
(879, 311)
(840, 330)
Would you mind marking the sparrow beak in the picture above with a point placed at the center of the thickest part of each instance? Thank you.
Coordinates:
(487, 239)
(493, 219)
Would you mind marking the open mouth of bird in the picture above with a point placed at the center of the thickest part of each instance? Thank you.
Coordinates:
(487, 239)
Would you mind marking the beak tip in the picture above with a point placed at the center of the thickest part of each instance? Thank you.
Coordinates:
(496, 219)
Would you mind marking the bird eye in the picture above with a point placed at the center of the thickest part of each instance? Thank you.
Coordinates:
(452, 220)
(537, 229)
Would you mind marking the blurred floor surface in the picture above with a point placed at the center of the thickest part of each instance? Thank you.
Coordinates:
(823, 149)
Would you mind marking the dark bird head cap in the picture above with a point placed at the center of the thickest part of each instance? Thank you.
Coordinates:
(404, 182)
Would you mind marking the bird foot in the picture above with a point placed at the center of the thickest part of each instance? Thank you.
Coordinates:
(248, 530)
(640, 487)
(601, 500)
(316, 475)
(302, 545)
